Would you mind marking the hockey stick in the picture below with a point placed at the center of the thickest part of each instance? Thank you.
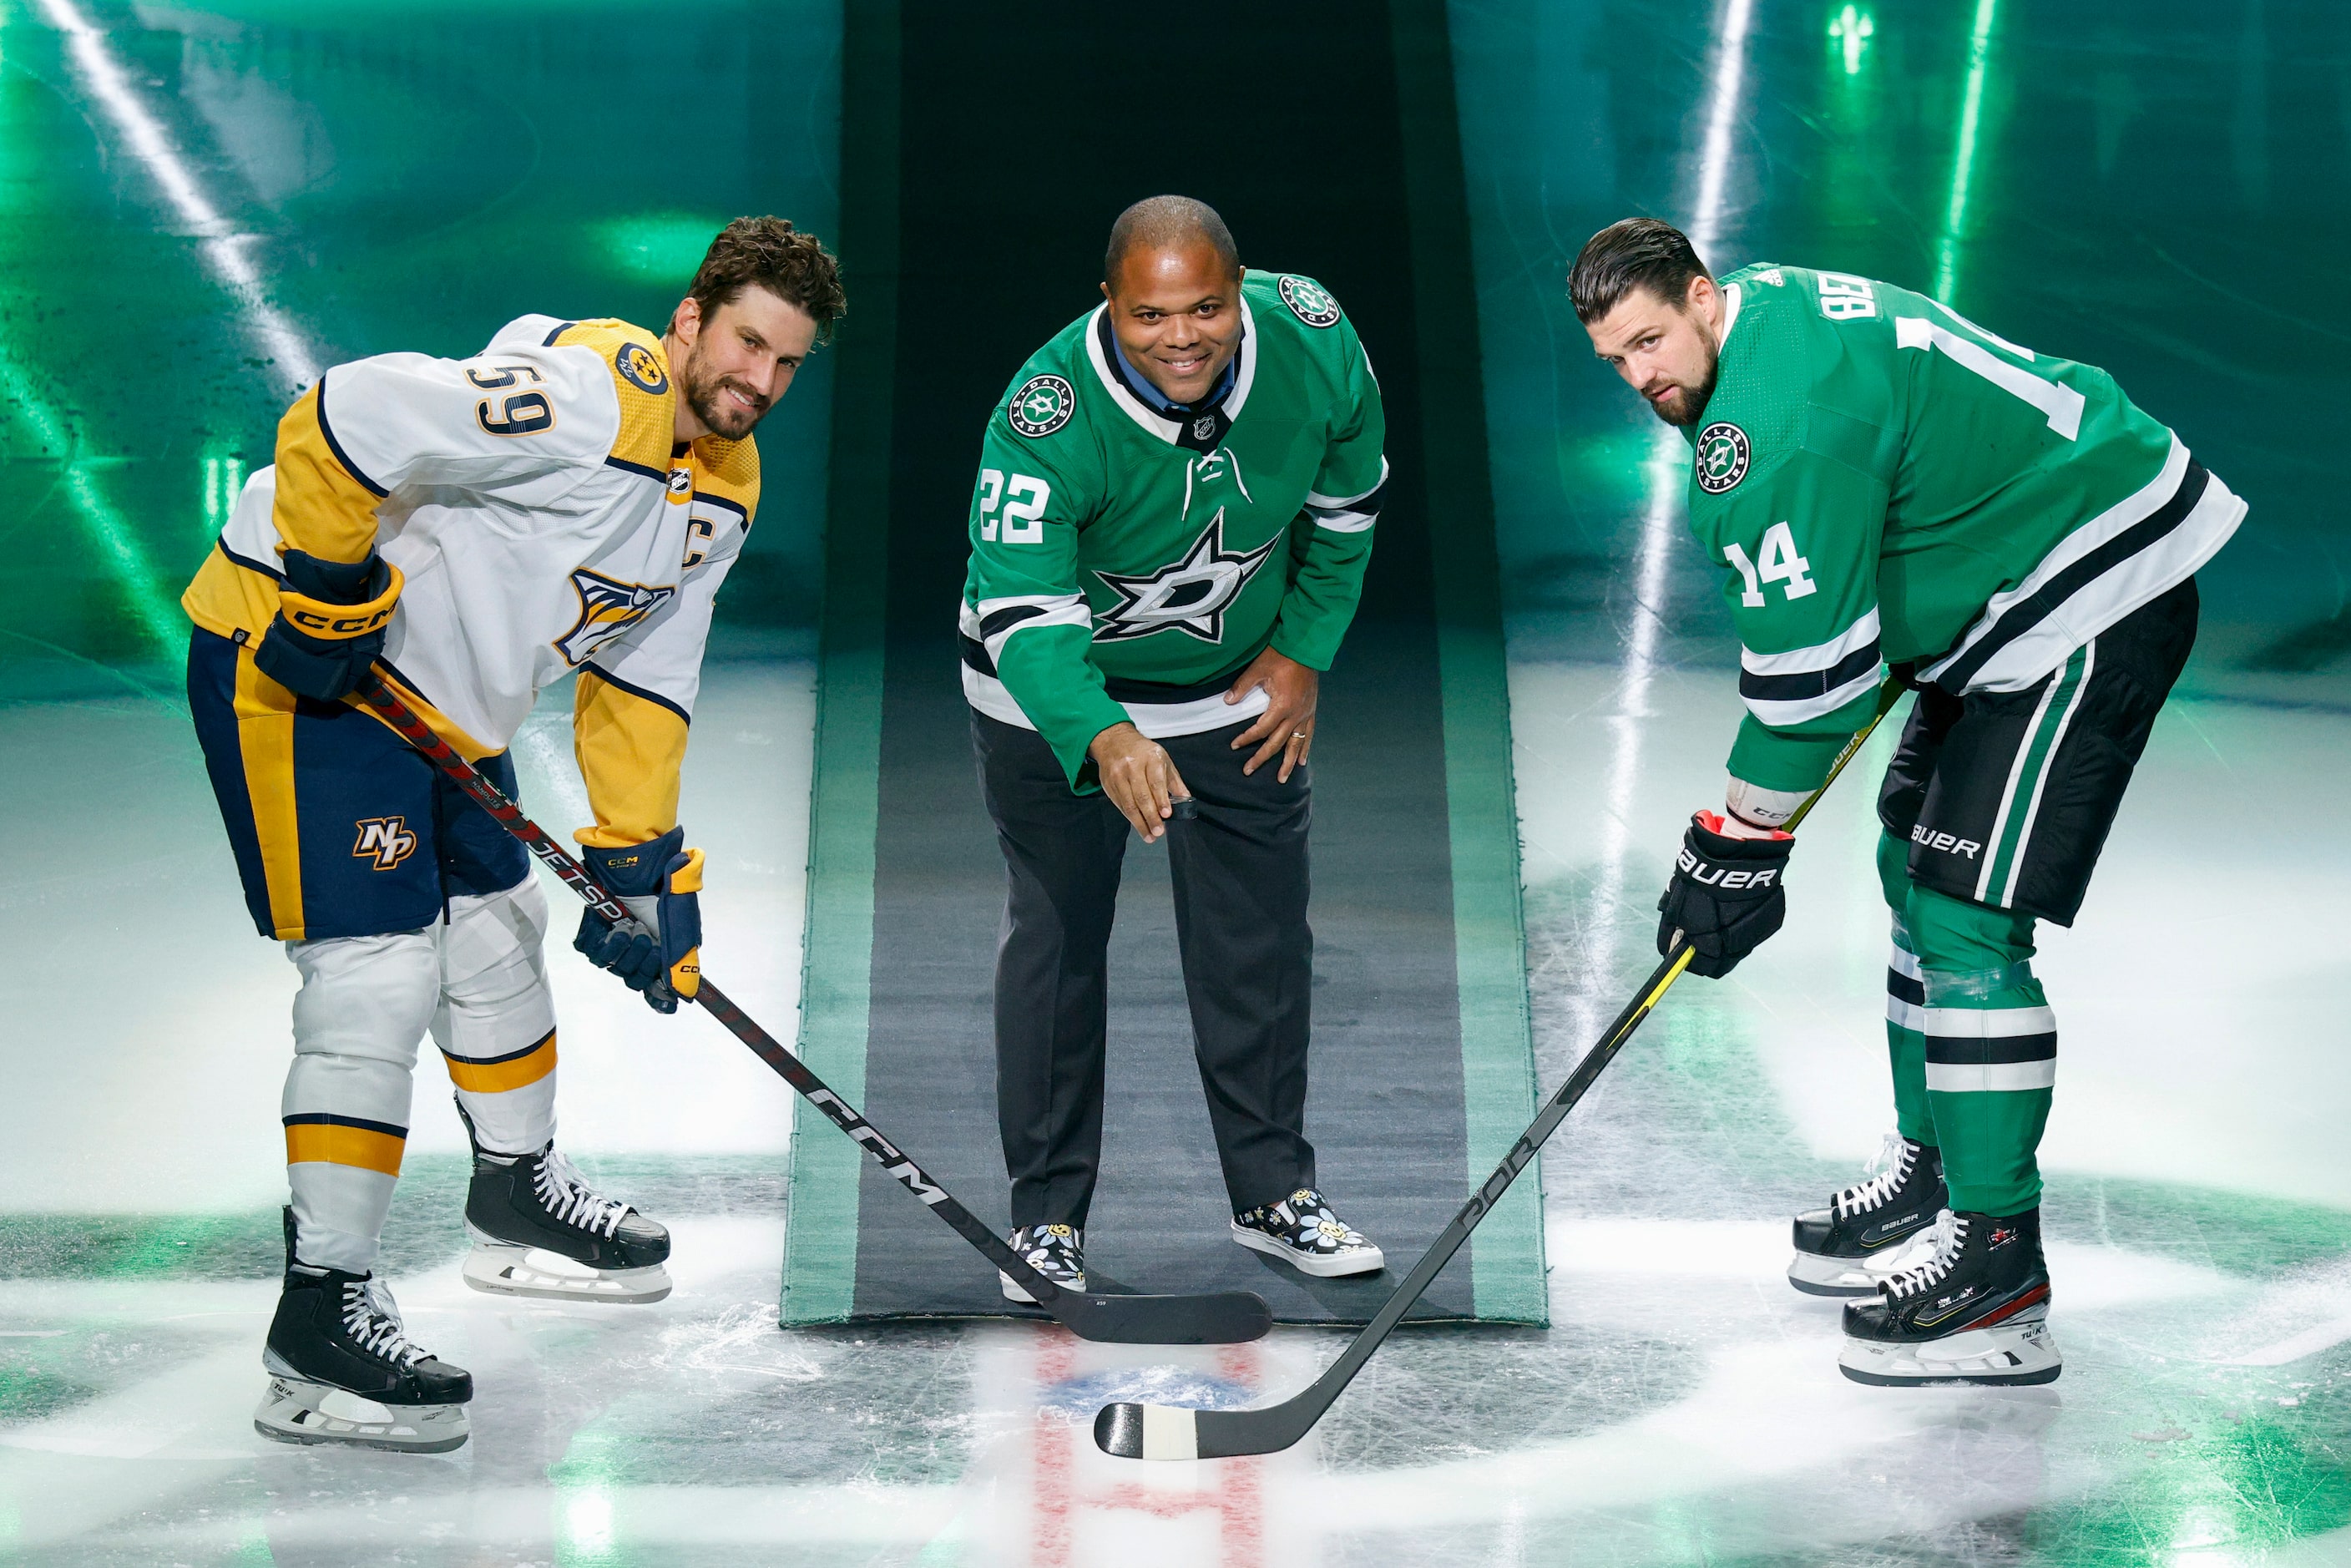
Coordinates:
(1223, 1317)
(1133, 1431)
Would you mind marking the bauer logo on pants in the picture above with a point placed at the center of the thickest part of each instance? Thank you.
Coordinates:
(384, 840)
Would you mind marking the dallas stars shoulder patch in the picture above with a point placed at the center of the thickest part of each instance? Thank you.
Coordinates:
(1721, 459)
(1041, 406)
(1309, 301)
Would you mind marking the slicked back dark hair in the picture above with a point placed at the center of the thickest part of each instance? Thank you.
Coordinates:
(793, 266)
(1168, 223)
(1629, 253)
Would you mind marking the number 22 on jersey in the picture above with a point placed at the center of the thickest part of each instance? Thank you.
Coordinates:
(1023, 498)
(1781, 563)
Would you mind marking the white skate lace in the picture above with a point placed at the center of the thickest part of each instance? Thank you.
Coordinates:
(567, 1196)
(373, 1322)
(1888, 1171)
(1950, 1231)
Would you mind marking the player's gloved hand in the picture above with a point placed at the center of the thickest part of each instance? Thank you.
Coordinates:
(331, 617)
(1726, 897)
(659, 882)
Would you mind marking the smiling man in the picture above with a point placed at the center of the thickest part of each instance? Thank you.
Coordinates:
(1883, 482)
(1168, 537)
(566, 501)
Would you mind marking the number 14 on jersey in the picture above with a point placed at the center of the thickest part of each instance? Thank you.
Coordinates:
(1781, 563)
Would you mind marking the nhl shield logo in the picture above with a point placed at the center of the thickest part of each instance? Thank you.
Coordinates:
(1722, 457)
(1041, 406)
(607, 609)
(1310, 303)
(640, 369)
(1205, 427)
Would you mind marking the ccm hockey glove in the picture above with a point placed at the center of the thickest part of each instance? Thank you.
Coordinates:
(659, 882)
(1726, 897)
(331, 617)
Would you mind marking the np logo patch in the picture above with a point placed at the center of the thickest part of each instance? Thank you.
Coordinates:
(385, 841)
(1310, 303)
(607, 609)
(1043, 405)
(1722, 457)
(641, 370)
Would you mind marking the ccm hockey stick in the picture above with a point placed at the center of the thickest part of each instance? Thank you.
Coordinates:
(1224, 1317)
(1131, 1431)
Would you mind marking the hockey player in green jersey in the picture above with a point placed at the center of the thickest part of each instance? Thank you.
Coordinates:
(1168, 535)
(1885, 483)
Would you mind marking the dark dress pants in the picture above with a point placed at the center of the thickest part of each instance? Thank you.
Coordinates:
(1240, 876)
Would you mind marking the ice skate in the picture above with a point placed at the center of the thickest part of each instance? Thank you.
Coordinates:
(540, 1231)
(1056, 1251)
(1873, 1231)
(342, 1369)
(1977, 1311)
(1305, 1233)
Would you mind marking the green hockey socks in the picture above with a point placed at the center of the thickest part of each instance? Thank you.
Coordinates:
(1972, 1042)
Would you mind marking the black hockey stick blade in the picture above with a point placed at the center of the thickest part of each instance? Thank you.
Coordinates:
(1217, 1317)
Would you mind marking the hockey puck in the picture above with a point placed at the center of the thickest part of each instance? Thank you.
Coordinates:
(1186, 809)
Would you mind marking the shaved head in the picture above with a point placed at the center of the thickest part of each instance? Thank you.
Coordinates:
(1168, 223)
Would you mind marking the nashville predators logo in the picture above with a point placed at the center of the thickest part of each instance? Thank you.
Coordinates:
(607, 609)
(640, 369)
(385, 841)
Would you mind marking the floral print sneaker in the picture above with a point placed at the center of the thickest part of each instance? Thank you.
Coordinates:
(1302, 1232)
(1056, 1251)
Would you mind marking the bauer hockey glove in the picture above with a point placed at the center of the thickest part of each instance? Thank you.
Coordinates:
(660, 883)
(331, 622)
(1726, 897)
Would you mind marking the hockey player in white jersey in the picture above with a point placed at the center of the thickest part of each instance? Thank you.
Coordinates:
(568, 500)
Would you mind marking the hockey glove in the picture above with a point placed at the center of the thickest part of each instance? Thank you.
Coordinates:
(659, 882)
(1726, 897)
(331, 617)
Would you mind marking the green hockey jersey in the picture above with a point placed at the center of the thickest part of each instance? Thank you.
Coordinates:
(1885, 481)
(1129, 557)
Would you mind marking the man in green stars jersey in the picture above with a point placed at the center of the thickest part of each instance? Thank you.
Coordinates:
(1887, 483)
(1168, 537)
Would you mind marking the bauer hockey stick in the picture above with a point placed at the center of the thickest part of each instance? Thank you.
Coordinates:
(1131, 1431)
(1223, 1317)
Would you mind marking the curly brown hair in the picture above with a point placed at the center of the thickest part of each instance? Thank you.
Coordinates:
(793, 266)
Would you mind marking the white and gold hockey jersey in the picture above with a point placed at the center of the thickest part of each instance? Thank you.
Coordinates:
(546, 522)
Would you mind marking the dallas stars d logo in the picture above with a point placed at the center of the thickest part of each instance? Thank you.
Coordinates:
(1722, 457)
(1190, 596)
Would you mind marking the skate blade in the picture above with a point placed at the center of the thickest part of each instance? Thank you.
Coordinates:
(2010, 1355)
(1369, 1261)
(550, 1276)
(1816, 1275)
(297, 1412)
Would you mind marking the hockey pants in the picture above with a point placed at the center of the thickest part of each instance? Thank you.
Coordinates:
(477, 982)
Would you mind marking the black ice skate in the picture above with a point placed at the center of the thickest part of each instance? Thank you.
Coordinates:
(1302, 1232)
(342, 1369)
(539, 1230)
(1870, 1232)
(1056, 1251)
(1977, 1311)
